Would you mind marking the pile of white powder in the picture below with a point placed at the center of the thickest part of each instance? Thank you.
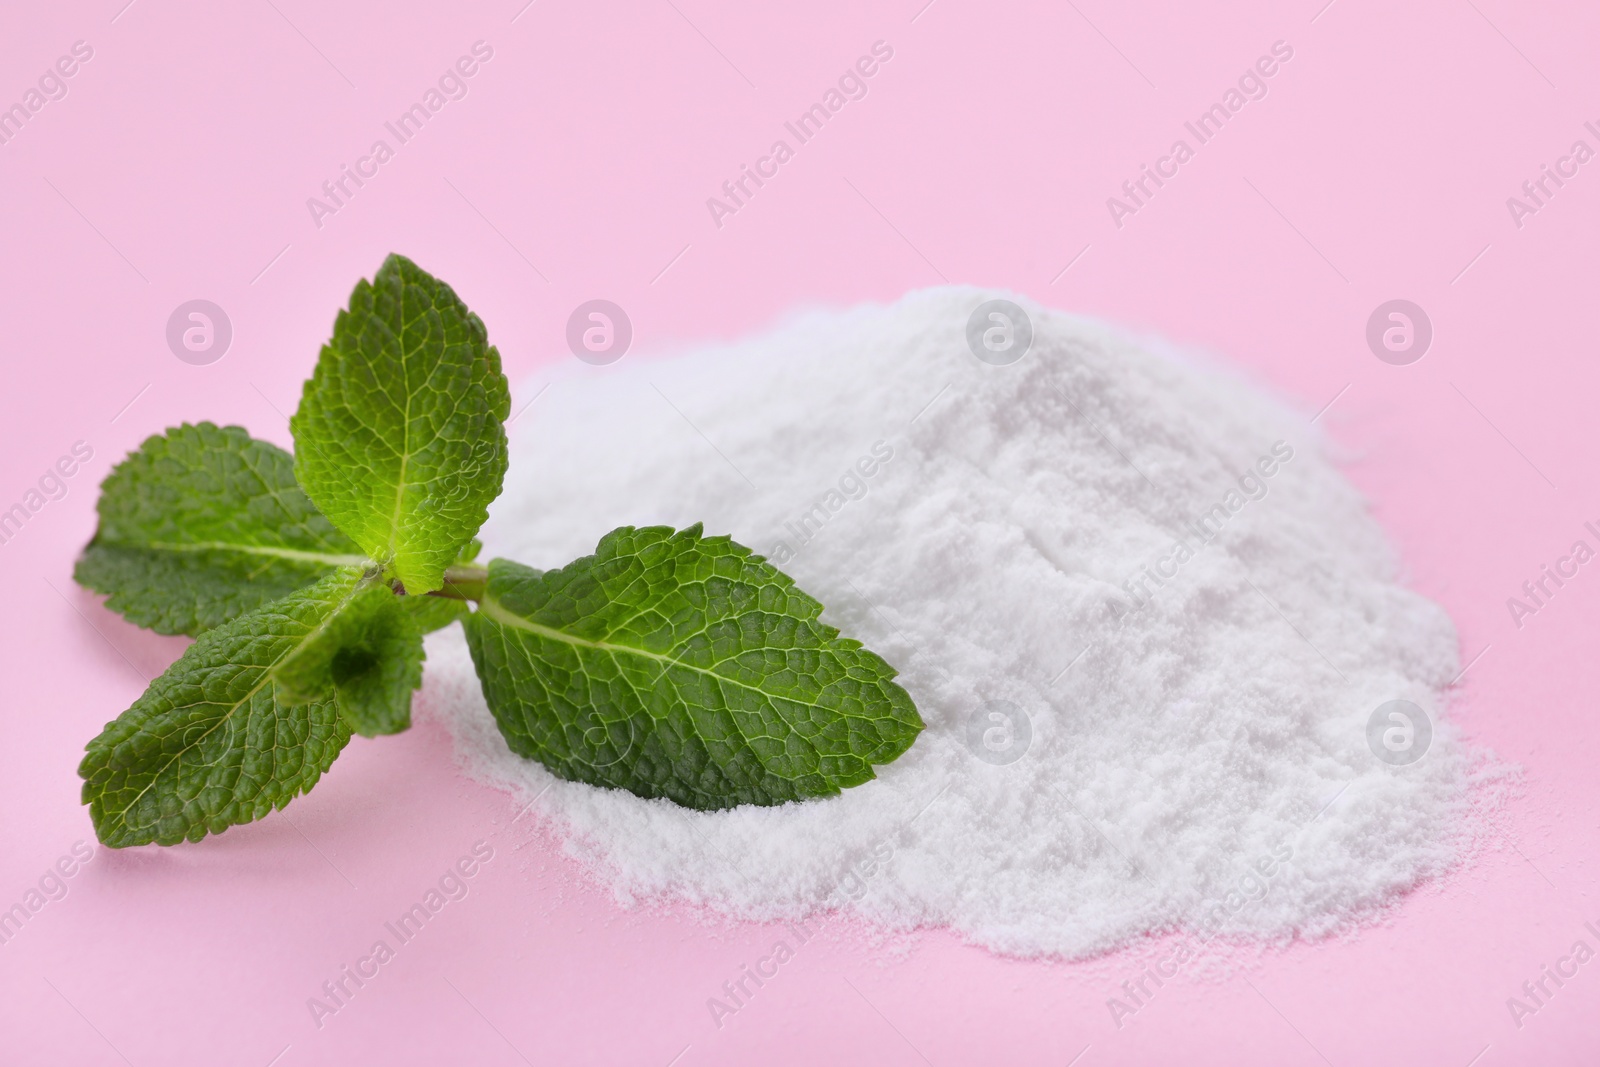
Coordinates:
(1166, 737)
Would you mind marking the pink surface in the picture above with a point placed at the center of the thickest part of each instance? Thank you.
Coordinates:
(178, 166)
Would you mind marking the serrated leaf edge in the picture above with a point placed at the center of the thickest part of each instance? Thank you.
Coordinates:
(268, 676)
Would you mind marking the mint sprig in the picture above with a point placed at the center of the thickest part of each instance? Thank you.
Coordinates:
(667, 663)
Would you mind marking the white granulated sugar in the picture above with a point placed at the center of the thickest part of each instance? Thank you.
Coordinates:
(1196, 758)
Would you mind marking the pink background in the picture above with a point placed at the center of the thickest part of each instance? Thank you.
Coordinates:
(578, 166)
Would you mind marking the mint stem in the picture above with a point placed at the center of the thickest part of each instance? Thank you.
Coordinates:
(464, 581)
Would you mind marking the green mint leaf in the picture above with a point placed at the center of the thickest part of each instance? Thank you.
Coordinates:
(432, 613)
(213, 743)
(436, 612)
(399, 437)
(368, 655)
(676, 665)
(203, 524)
